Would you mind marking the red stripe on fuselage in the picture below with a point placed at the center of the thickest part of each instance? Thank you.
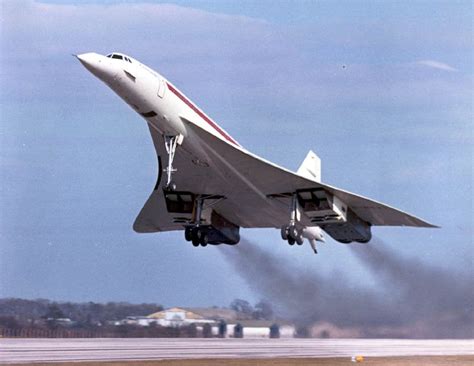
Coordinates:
(201, 114)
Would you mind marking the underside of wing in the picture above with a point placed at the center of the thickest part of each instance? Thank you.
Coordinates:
(155, 217)
(267, 178)
(256, 192)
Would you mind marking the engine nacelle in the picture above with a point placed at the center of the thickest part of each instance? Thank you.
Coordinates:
(353, 229)
(333, 216)
(223, 230)
(219, 230)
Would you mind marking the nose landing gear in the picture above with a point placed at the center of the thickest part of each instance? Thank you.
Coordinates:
(171, 142)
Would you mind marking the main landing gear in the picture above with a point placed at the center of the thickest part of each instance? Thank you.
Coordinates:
(214, 229)
(291, 232)
(171, 142)
(197, 234)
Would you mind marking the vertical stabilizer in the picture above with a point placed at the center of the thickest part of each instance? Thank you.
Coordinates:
(311, 167)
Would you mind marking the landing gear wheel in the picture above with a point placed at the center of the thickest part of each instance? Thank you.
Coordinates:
(284, 232)
(293, 232)
(196, 235)
(188, 234)
(291, 241)
(299, 239)
(204, 239)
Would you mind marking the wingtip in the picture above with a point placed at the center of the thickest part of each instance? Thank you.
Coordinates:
(429, 225)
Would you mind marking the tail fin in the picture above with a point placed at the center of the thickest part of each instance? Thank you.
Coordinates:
(311, 167)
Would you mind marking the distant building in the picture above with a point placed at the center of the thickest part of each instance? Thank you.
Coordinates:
(217, 314)
(135, 320)
(178, 317)
(65, 322)
(260, 329)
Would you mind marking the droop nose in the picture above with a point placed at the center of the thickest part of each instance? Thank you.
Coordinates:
(97, 65)
(90, 61)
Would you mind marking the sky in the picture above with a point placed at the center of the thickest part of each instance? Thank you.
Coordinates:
(381, 91)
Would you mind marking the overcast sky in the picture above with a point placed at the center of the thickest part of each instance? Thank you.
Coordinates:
(381, 90)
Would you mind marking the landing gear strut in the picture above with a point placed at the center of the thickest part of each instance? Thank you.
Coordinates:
(171, 142)
(290, 232)
(202, 231)
(196, 234)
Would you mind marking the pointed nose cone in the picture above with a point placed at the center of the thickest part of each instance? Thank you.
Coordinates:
(97, 65)
(89, 60)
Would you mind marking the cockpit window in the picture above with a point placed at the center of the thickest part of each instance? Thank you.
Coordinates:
(119, 57)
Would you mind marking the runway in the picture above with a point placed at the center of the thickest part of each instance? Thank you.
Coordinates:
(114, 349)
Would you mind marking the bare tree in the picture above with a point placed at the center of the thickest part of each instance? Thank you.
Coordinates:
(263, 311)
(242, 306)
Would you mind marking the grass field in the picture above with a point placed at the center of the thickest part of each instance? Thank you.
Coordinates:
(384, 361)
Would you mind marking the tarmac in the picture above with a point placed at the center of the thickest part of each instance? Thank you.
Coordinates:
(16, 350)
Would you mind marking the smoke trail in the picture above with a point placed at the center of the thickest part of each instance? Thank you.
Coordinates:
(412, 303)
(442, 301)
(305, 295)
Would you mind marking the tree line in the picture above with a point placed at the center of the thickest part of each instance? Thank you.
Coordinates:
(24, 311)
(45, 318)
(262, 310)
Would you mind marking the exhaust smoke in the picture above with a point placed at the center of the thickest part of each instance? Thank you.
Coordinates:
(412, 300)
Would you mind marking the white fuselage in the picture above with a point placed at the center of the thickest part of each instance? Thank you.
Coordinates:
(164, 107)
(151, 95)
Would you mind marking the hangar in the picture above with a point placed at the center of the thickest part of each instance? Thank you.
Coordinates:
(215, 317)
(178, 317)
(225, 323)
